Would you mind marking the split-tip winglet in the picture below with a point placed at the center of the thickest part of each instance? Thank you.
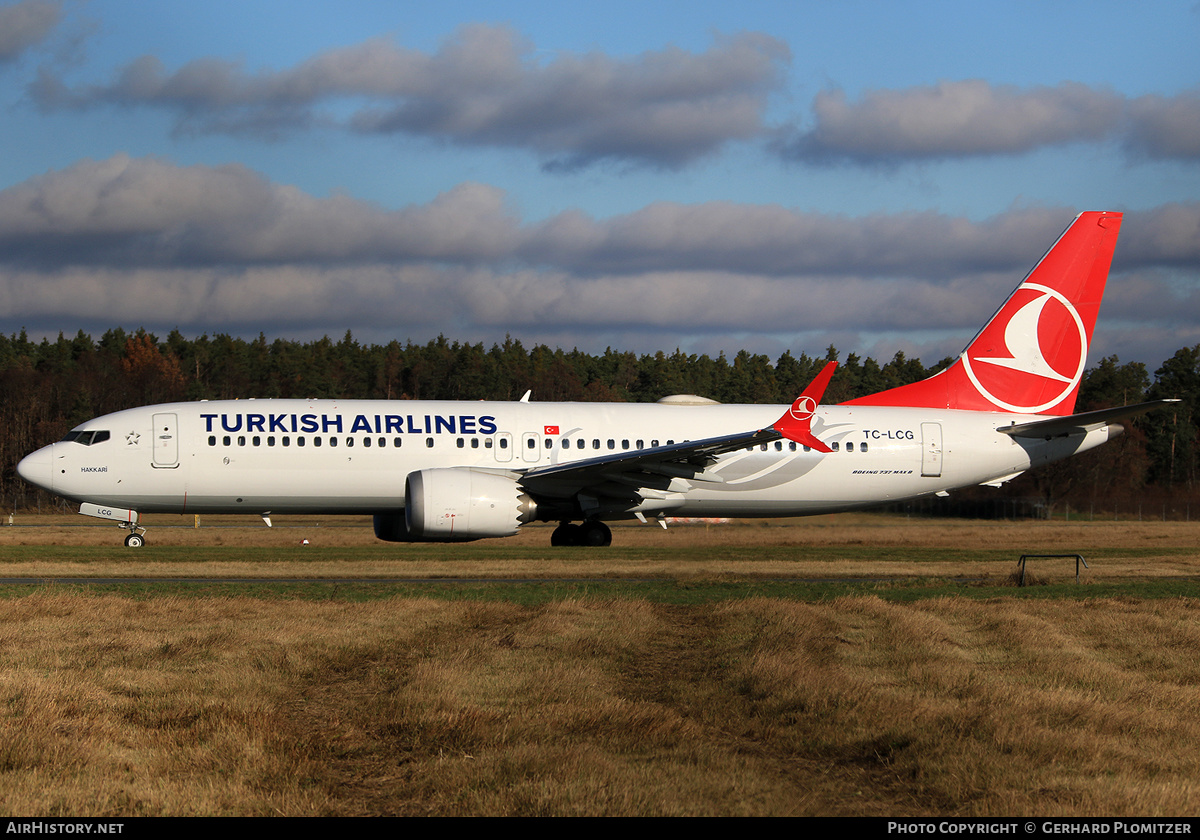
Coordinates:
(796, 422)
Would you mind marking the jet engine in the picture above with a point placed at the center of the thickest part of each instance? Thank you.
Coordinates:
(458, 504)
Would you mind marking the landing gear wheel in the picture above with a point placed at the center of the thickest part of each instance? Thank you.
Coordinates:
(567, 534)
(135, 541)
(596, 533)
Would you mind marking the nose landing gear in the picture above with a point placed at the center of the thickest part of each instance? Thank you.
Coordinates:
(127, 520)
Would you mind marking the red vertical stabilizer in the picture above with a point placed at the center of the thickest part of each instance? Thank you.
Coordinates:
(1031, 355)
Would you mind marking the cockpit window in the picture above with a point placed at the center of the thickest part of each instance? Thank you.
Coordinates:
(87, 438)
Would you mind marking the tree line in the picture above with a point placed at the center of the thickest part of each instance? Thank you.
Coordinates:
(48, 387)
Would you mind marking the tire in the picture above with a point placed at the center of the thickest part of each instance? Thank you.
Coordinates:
(596, 534)
(135, 541)
(567, 534)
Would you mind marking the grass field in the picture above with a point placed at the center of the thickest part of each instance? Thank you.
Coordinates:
(855, 665)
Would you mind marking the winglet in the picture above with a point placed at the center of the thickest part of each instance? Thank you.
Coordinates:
(796, 421)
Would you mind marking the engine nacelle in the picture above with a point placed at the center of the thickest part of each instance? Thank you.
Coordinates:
(458, 504)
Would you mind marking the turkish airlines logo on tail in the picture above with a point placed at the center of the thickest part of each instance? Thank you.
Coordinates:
(1032, 354)
(803, 408)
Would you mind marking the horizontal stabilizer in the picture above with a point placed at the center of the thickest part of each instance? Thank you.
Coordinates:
(1076, 424)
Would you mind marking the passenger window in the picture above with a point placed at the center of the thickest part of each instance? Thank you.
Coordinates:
(504, 443)
(396, 442)
(474, 443)
(460, 443)
(287, 441)
(834, 446)
(624, 444)
(270, 440)
(862, 447)
(595, 443)
(316, 441)
(849, 446)
(299, 441)
(241, 440)
(212, 440)
(225, 441)
(349, 441)
(429, 443)
(366, 441)
(487, 443)
(333, 441)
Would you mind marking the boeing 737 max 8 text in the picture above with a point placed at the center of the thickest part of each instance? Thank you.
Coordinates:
(449, 471)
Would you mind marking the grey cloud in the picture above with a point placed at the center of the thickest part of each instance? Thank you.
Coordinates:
(129, 211)
(1168, 235)
(664, 108)
(483, 87)
(1152, 297)
(974, 118)
(146, 211)
(24, 25)
(951, 119)
(1165, 128)
(770, 239)
(211, 249)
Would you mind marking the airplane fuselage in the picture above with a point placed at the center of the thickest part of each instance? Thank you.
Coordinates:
(328, 456)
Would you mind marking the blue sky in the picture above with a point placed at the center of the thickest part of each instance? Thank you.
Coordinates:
(646, 176)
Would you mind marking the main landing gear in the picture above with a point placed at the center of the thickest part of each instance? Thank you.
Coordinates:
(593, 532)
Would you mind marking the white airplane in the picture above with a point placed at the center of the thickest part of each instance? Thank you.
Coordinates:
(456, 471)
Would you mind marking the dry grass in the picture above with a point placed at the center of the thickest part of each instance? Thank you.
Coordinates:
(110, 706)
(845, 545)
(856, 706)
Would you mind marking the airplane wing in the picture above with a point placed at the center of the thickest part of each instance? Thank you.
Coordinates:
(627, 478)
(1077, 424)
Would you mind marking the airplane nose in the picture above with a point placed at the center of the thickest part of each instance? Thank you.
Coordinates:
(37, 468)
